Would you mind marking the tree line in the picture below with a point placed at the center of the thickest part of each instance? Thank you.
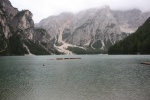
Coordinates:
(135, 43)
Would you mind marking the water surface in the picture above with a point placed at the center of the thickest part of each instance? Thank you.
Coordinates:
(93, 77)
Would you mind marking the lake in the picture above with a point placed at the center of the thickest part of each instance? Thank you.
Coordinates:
(93, 77)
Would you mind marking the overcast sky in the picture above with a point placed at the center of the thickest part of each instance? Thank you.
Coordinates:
(44, 8)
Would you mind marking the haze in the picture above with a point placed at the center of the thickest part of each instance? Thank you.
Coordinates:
(44, 8)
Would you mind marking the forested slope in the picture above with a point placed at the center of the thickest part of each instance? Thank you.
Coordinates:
(136, 43)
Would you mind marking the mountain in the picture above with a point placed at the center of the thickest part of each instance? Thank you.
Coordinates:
(136, 43)
(18, 35)
(89, 31)
(130, 20)
(93, 28)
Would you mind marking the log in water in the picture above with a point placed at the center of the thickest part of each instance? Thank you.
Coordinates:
(146, 63)
(66, 58)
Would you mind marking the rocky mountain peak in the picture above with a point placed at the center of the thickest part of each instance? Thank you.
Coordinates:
(18, 35)
(130, 20)
(9, 10)
(97, 28)
(23, 20)
(56, 24)
(94, 25)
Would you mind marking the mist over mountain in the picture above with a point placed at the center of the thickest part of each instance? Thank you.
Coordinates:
(43, 9)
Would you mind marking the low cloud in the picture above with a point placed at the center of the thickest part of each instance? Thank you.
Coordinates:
(44, 8)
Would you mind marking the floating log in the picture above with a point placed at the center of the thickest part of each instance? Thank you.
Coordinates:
(59, 58)
(66, 58)
(78, 58)
(72, 58)
(146, 63)
(75, 58)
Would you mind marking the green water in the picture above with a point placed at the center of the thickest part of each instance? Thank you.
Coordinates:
(93, 77)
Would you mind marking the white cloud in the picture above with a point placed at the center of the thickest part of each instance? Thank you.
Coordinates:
(44, 8)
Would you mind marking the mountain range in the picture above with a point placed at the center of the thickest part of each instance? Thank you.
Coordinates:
(92, 30)
(97, 28)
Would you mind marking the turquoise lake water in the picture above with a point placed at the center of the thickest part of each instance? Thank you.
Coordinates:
(93, 77)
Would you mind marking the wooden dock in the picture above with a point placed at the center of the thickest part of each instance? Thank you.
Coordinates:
(146, 63)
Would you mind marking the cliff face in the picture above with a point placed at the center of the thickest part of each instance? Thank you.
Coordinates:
(8, 9)
(5, 17)
(23, 22)
(18, 35)
(130, 20)
(94, 28)
(56, 24)
(94, 25)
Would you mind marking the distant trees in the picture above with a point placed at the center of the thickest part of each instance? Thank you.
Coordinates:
(36, 48)
(136, 43)
(16, 45)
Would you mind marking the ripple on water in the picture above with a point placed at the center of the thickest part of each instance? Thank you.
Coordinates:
(94, 77)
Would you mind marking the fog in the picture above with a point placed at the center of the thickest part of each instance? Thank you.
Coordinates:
(44, 8)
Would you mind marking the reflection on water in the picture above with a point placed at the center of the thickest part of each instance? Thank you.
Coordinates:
(94, 77)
